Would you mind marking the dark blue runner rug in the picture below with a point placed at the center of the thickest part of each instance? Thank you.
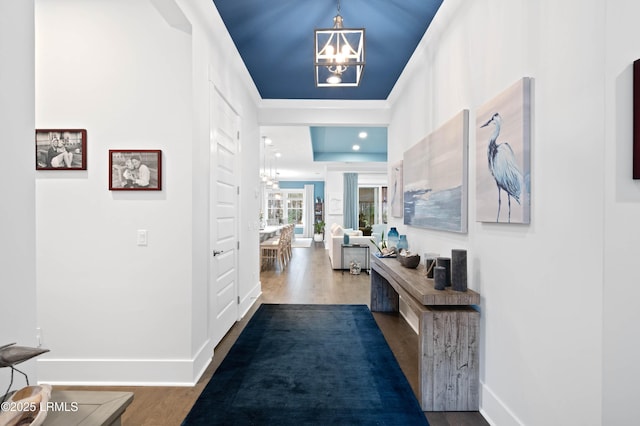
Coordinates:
(308, 365)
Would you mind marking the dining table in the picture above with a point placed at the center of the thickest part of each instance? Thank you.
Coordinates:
(269, 231)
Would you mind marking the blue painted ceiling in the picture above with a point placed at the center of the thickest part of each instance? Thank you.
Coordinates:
(336, 144)
(275, 40)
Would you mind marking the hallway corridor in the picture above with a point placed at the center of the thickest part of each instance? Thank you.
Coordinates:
(307, 279)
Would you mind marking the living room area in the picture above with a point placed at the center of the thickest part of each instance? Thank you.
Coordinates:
(304, 170)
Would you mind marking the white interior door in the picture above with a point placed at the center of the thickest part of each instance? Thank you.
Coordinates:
(223, 216)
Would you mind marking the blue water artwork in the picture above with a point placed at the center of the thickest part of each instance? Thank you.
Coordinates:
(436, 178)
(434, 209)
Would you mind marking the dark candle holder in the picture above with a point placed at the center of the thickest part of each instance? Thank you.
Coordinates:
(439, 278)
(459, 270)
(445, 262)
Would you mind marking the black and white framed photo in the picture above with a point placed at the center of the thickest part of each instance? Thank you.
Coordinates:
(135, 170)
(61, 149)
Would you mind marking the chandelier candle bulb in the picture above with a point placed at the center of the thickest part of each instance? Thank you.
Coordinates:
(459, 270)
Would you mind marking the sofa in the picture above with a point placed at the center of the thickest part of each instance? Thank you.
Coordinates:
(334, 246)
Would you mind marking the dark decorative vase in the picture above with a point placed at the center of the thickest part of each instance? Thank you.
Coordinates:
(446, 263)
(459, 270)
(393, 237)
(402, 243)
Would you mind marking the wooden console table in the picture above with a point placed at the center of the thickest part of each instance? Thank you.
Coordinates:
(449, 330)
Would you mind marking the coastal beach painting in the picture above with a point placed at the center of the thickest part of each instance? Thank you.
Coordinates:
(436, 178)
(503, 152)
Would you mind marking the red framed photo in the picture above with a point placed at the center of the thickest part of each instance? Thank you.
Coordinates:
(61, 149)
(135, 170)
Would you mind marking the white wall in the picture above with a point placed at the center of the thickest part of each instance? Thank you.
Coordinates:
(540, 284)
(216, 63)
(111, 311)
(622, 210)
(374, 179)
(333, 185)
(17, 188)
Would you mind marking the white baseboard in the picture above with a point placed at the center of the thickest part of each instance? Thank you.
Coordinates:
(116, 372)
(494, 410)
(125, 372)
(135, 372)
(201, 360)
(250, 299)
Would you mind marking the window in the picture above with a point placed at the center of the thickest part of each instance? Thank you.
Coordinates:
(372, 205)
(285, 206)
(295, 207)
(366, 207)
(274, 208)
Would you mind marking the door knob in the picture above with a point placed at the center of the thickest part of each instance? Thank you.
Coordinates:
(217, 252)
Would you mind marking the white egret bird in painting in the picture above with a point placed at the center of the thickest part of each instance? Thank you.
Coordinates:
(503, 166)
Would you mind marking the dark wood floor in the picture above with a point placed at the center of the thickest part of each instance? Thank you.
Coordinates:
(307, 279)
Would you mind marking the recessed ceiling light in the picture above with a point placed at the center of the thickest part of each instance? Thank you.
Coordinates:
(268, 141)
(355, 147)
(278, 154)
(362, 135)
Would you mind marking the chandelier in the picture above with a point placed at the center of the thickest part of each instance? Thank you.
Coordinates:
(339, 55)
(268, 178)
(263, 173)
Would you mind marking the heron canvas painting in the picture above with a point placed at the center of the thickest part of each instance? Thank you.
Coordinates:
(503, 152)
(435, 178)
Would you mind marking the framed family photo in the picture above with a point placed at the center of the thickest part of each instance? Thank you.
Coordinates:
(135, 170)
(61, 149)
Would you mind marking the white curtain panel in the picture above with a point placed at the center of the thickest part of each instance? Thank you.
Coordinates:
(350, 205)
(308, 211)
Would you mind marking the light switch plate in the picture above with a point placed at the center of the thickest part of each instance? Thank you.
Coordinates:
(142, 237)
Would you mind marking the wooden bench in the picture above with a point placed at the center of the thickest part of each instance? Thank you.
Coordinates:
(448, 329)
